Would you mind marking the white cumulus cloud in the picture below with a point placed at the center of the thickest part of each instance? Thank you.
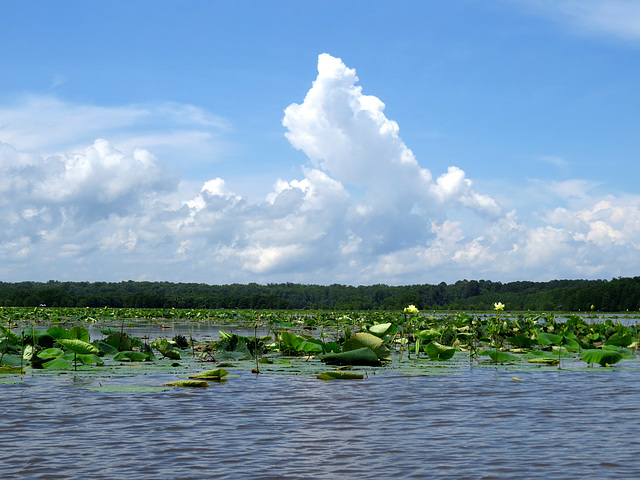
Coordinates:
(363, 210)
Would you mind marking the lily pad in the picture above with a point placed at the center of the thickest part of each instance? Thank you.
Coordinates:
(11, 370)
(360, 356)
(211, 374)
(187, 384)
(499, 357)
(340, 375)
(58, 364)
(131, 356)
(51, 353)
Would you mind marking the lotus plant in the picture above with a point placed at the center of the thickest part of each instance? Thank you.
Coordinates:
(411, 310)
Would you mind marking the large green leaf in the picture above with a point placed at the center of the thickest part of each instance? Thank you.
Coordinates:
(88, 359)
(439, 352)
(105, 348)
(546, 339)
(77, 346)
(11, 360)
(12, 337)
(310, 346)
(51, 353)
(166, 349)
(79, 333)
(40, 337)
(521, 341)
(58, 364)
(289, 343)
(119, 340)
(131, 356)
(57, 332)
(428, 335)
(187, 384)
(602, 357)
(340, 375)
(361, 356)
(367, 340)
(620, 339)
(383, 329)
(498, 356)
(215, 374)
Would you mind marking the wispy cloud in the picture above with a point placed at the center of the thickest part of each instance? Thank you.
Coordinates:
(48, 125)
(618, 18)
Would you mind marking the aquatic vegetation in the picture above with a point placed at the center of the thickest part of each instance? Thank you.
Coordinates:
(304, 343)
(187, 384)
(340, 375)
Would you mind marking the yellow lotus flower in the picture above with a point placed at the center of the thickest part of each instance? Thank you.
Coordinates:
(498, 306)
(411, 309)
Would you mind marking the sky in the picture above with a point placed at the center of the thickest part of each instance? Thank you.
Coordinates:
(357, 142)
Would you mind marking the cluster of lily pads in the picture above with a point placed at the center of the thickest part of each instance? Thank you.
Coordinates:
(352, 344)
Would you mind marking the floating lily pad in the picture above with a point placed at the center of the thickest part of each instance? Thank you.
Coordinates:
(8, 369)
(217, 373)
(131, 356)
(187, 384)
(360, 356)
(340, 375)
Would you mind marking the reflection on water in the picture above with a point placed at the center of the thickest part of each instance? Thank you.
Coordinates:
(475, 424)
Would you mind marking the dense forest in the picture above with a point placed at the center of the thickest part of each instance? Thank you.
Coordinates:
(616, 295)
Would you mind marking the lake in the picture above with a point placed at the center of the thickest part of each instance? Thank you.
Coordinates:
(477, 423)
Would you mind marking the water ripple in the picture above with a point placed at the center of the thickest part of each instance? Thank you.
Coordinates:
(477, 424)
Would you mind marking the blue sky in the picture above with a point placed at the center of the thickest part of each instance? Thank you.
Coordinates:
(319, 142)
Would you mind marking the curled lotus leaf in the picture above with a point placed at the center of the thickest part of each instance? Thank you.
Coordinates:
(428, 335)
(340, 375)
(382, 329)
(437, 351)
(187, 384)
(211, 374)
(367, 340)
(360, 356)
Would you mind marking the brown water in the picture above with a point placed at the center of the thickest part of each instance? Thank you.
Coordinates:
(475, 424)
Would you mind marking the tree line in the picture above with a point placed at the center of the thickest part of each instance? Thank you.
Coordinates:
(618, 294)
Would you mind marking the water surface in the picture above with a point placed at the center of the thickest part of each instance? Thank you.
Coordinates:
(478, 423)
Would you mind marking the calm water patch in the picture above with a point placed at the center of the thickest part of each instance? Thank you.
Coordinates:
(478, 423)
